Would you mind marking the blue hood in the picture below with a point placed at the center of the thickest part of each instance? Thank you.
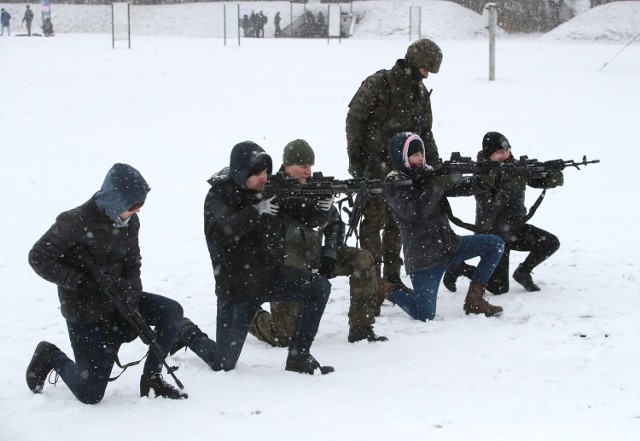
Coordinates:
(248, 158)
(123, 187)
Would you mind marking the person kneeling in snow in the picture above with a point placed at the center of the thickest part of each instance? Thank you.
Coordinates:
(418, 201)
(105, 230)
(246, 245)
(502, 212)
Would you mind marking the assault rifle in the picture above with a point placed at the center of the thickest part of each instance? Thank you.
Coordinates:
(525, 166)
(530, 168)
(320, 185)
(128, 312)
(541, 169)
(357, 191)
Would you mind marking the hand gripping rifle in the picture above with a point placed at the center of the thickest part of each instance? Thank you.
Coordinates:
(131, 314)
(358, 192)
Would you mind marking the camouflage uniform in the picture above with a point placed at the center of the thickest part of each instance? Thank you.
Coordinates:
(387, 102)
(304, 249)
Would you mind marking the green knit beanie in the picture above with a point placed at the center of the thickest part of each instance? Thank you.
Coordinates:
(298, 152)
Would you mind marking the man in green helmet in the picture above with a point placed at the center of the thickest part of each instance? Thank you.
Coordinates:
(388, 102)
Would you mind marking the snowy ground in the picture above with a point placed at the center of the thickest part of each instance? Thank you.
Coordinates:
(559, 364)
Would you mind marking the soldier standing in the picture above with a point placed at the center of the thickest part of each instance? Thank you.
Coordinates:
(390, 101)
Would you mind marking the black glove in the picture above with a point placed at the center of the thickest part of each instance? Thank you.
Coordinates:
(421, 177)
(327, 267)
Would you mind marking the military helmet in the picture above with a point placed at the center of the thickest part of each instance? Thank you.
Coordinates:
(424, 53)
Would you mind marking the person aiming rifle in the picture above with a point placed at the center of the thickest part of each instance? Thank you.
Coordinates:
(502, 211)
(246, 239)
(430, 245)
(314, 242)
(92, 254)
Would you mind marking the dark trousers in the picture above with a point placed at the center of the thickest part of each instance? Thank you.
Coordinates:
(235, 316)
(541, 245)
(95, 344)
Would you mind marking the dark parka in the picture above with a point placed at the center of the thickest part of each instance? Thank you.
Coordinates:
(388, 102)
(246, 249)
(113, 249)
(503, 212)
(421, 214)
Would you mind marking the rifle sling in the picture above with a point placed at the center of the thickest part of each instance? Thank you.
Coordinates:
(478, 230)
(116, 359)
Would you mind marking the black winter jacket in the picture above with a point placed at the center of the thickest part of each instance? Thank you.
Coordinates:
(503, 212)
(246, 249)
(115, 252)
(422, 213)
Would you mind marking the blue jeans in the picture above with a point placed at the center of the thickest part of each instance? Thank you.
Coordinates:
(422, 304)
(235, 316)
(95, 345)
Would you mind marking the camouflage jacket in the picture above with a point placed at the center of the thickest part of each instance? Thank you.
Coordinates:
(387, 102)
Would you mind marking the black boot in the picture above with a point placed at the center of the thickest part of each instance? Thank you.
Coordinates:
(523, 277)
(305, 364)
(359, 333)
(187, 329)
(40, 366)
(454, 271)
(160, 387)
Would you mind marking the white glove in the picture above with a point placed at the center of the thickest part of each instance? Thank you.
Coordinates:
(267, 207)
(325, 204)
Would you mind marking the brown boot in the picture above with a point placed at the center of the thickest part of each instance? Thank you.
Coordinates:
(475, 302)
(384, 292)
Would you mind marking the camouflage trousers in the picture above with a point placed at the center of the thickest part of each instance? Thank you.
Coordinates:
(276, 327)
(380, 235)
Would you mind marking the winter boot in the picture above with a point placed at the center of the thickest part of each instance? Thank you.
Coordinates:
(305, 364)
(187, 329)
(523, 277)
(384, 292)
(359, 333)
(160, 387)
(399, 284)
(475, 302)
(454, 271)
(40, 366)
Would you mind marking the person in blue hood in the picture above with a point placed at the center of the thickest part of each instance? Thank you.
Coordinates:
(245, 238)
(417, 197)
(105, 228)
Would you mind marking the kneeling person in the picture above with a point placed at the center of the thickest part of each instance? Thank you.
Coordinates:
(245, 240)
(308, 221)
(96, 328)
